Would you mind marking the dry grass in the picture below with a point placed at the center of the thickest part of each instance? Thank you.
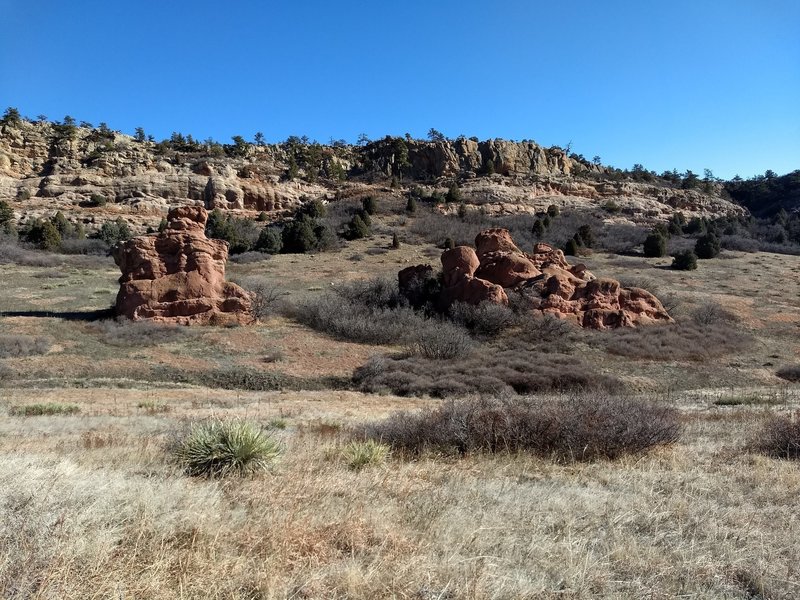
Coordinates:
(116, 519)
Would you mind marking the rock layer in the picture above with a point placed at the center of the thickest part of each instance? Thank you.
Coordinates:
(543, 278)
(178, 276)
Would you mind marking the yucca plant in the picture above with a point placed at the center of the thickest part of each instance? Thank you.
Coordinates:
(359, 454)
(218, 448)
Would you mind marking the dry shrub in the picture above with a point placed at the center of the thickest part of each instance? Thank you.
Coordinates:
(711, 313)
(488, 371)
(439, 340)
(789, 373)
(12, 346)
(583, 427)
(779, 437)
(486, 319)
(123, 332)
(677, 342)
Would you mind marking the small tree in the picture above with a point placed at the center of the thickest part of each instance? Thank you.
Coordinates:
(299, 236)
(44, 235)
(453, 193)
(655, 245)
(11, 117)
(6, 213)
(571, 247)
(139, 135)
(370, 205)
(449, 244)
(462, 211)
(162, 225)
(707, 246)
(584, 236)
(538, 228)
(357, 228)
(436, 136)
(269, 241)
(685, 260)
(395, 241)
(258, 138)
(552, 211)
(411, 205)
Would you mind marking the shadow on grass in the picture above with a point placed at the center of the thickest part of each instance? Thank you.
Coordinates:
(78, 315)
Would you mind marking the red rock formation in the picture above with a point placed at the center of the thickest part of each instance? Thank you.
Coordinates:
(564, 290)
(178, 276)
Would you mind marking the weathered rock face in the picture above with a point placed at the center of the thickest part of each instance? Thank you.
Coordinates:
(178, 276)
(544, 278)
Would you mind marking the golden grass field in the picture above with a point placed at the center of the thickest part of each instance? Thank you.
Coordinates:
(92, 506)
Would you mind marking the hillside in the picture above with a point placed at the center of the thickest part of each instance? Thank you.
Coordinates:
(55, 166)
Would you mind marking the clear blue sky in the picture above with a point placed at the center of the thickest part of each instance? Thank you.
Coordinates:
(670, 84)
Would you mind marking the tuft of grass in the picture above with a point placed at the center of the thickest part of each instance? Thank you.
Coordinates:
(277, 423)
(217, 448)
(358, 454)
(151, 407)
(46, 408)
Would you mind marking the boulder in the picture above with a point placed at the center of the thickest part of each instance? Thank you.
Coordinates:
(178, 275)
(544, 278)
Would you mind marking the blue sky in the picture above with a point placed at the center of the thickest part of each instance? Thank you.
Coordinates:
(684, 84)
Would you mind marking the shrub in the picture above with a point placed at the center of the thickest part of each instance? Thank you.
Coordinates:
(575, 428)
(6, 213)
(538, 228)
(362, 453)
(113, 232)
(789, 373)
(685, 260)
(241, 234)
(266, 296)
(571, 247)
(357, 228)
(12, 346)
(411, 205)
(677, 342)
(552, 211)
(299, 236)
(585, 236)
(505, 369)
(370, 205)
(48, 408)
(44, 235)
(151, 407)
(655, 245)
(487, 318)
(711, 313)
(314, 209)
(779, 437)
(439, 340)
(449, 244)
(707, 246)
(125, 333)
(96, 201)
(218, 448)
(262, 217)
(395, 241)
(453, 193)
(269, 241)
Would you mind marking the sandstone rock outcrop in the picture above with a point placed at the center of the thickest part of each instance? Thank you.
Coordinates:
(543, 278)
(178, 276)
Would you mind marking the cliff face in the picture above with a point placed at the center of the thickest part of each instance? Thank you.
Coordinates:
(44, 168)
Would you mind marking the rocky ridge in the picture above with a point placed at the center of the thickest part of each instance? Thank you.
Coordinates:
(42, 169)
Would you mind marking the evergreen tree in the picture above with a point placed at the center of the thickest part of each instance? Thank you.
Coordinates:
(655, 245)
(707, 246)
(269, 241)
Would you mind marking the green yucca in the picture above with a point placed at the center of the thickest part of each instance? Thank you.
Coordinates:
(219, 448)
(359, 454)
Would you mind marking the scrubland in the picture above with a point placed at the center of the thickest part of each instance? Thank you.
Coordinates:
(95, 505)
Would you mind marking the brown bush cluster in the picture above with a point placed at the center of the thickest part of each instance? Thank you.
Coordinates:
(580, 428)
